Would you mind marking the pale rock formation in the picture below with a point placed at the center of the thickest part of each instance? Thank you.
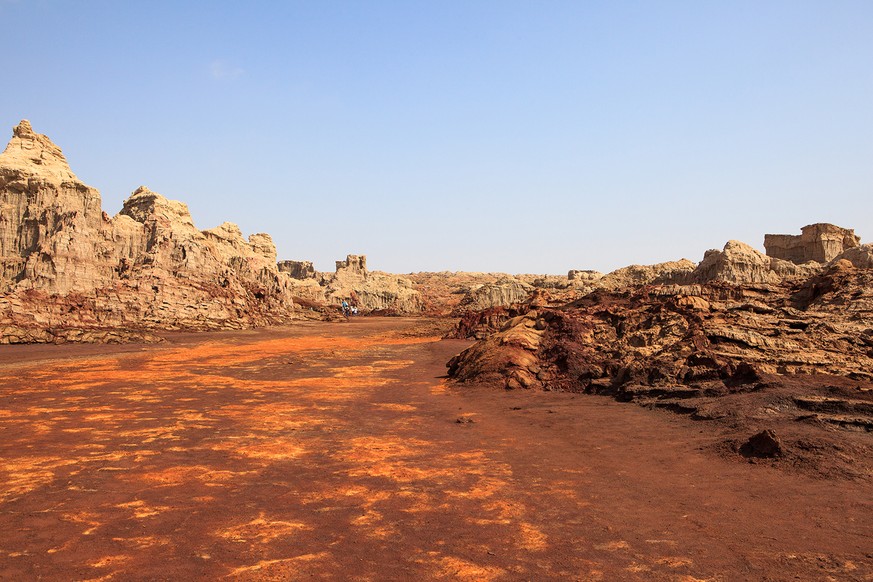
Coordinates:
(503, 293)
(49, 220)
(353, 264)
(32, 153)
(298, 269)
(69, 272)
(304, 281)
(860, 256)
(819, 242)
(309, 291)
(635, 275)
(584, 275)
(371, 290)
(741, 264)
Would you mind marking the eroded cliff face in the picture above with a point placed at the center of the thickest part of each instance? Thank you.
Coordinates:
(820, 242)
(51, 224)
(740, 263)
(70, 272)
(371, 290)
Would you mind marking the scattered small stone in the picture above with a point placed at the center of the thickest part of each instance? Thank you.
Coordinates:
(465, 420)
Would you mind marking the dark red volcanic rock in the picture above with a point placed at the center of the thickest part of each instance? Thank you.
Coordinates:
(748, 355)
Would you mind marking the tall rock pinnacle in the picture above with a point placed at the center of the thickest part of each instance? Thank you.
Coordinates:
(35, 153)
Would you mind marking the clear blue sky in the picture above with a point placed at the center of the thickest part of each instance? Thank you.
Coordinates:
(463, 135)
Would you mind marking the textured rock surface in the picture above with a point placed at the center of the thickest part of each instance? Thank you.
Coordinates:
(740, 263)
(584, 275)
(51, 225)
(748, 356)
(69, 272)
(636, 275)
(352, 264)
(819, 242)
(679, 334)
(502, 293)
(860, 256)
(298, 269)
(370, 290)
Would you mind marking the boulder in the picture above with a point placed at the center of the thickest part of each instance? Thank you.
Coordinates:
(764, 444)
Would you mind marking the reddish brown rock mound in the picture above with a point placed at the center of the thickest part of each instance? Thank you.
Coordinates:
(751, 355)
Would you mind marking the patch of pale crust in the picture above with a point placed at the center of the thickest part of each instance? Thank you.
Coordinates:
(263, 529)
(247, 571)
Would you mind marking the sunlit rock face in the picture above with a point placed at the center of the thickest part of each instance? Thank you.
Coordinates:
(819, 242)
(68, 269)
(371, 290)
(742, 264)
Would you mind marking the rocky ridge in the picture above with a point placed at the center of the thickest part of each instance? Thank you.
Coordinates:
(819, 243)
(72, 273)
(743, 339)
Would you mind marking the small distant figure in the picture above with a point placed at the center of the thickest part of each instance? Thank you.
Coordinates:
(354, 309)
(346, 310)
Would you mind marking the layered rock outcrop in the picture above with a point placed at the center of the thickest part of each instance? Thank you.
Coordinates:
(586, 275)
(794, 357)
(635, 275)
(860, 256)
(658, 326)
(371, 290)
(298, 269)
(678, 341)
(752, 342)
(502, 293)
(70, 272)
(52, 229)
(740, 263)
(819, 242)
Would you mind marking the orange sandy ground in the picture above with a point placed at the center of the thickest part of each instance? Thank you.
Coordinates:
(333, 451)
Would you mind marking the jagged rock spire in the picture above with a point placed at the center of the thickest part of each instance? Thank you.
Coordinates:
(35, 153)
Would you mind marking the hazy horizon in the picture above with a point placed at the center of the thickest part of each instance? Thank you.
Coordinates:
(488, 136)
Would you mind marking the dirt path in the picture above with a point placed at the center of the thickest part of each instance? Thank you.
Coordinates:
(334, 451)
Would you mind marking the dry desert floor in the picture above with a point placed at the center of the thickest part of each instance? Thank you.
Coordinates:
(337, 451)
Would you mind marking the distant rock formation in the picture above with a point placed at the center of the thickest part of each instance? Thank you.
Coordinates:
(298, 269)
(819, 242)
(70, 272)
(636, 275)
(503, 293)
(353, 264)
(741, 264)
(586, 275)
(370, 290)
